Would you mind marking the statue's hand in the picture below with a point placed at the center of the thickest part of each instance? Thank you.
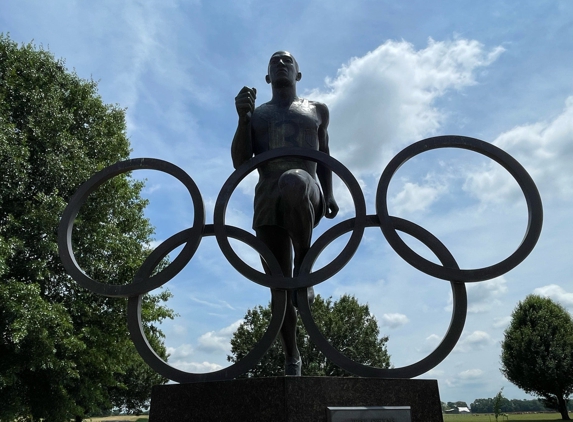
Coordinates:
(331, 207)
(245, 103)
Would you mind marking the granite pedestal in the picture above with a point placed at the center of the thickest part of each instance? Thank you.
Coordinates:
(290, 399)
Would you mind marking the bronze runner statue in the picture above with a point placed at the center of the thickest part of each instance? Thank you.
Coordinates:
(289, 201)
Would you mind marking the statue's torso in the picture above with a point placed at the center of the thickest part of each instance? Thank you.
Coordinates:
(278, 127)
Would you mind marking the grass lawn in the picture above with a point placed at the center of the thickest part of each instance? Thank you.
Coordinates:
(142, 418)
(534, 417)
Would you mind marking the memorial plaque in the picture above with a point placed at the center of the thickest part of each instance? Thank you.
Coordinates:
(369, 414)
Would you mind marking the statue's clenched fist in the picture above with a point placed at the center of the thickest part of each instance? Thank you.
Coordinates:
(245, 103)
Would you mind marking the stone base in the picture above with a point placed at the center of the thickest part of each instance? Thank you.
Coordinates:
(290, 399)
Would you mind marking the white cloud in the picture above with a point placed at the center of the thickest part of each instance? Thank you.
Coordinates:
(196, 367)
(430, 343)
(183, 356)
(394, 320)
(475, 341)
(180, 357)
(181, 352)
(556, 293)
(471, 374)
(413, 198)
(219, 304)
(218, 340)
(502, 322)
(483, 296)
(544, 149)
(386, 97)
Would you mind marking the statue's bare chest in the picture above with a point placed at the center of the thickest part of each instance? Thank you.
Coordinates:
(278, 127)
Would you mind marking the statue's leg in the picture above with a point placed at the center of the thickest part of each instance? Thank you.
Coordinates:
(300, 196)
(279, 242)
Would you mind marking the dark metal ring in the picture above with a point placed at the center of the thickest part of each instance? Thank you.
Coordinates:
(141, 284)
(456, 323)
(279, 304)
(532, 198)
(277, 280)
(144, 282)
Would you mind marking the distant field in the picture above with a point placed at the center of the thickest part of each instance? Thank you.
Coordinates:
(535, 417)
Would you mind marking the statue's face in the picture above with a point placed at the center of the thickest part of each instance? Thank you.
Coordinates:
(283, 69)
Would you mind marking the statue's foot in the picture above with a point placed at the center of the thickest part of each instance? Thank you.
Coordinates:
(293, 366)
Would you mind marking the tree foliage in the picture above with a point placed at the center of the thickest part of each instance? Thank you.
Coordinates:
(507, 405)
(537, 351)
(65, 352)
(497, 404)
(346, 324)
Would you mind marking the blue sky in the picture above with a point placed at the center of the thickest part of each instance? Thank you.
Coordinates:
(391, 73)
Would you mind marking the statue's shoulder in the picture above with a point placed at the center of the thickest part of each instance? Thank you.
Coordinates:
(318, 105)
(321, 108)
(262, 111)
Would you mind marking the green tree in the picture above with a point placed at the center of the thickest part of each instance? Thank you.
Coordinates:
(65, 352)
(514, 405)
(346, 324)
(497, 401)
(482, 406)
(537, 351)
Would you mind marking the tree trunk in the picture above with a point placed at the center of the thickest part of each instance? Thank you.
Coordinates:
(563, 408)
(78, 419)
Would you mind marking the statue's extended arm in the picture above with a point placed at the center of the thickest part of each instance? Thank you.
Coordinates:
(323, 172)
(242, 147)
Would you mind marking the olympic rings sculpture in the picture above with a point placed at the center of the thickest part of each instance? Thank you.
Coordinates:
(144, 280)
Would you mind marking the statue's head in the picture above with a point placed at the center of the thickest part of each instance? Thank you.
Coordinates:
(283, 68)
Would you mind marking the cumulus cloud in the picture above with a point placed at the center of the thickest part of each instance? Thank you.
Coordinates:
(474, 341)
(543, 148)
(196, 367)
(414, 197)
(386, 97)
(430, 343)
(471, 374)
(218, 340)
(394, 320)
(181, 357)
(484, 295)
(180, 352)
(556, 293)
(502, 322)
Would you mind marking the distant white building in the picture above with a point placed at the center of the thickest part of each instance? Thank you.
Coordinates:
(460, 409)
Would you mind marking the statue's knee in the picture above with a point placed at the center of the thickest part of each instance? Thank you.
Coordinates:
(293, 185)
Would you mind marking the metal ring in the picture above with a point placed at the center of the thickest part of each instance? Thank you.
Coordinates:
(279, 304)
(277, 281)
(141, 284)
(534, 206)
(448, 342)
(144, 282)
